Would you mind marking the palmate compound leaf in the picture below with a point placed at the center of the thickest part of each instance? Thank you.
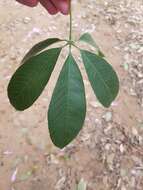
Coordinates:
(30, 78)
(67, 109)
(87, 38)
(39, 47)
(102, 77)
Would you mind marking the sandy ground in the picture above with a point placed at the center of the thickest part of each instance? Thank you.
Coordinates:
(108, 153)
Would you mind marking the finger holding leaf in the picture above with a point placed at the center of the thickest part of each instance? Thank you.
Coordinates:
(52, 6)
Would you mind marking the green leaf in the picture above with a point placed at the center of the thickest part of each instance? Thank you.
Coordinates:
(30, 79)
(39, 47)
(102, 77)
(87, 38)
(68, 105)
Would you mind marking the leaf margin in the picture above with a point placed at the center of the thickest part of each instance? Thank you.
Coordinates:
(37, 48)
(91, 82)
(13, 79)
(63, 144)
(87, 38)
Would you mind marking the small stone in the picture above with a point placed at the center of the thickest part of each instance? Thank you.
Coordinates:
(122, 148)
(107, 117)
(107, 146)
(26, 20)
(132, 92)
(95, 104)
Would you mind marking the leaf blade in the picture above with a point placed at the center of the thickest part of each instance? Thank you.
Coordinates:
(39, 47)
(30, 79)
(67, 108)
(102, 77)
(87, 38)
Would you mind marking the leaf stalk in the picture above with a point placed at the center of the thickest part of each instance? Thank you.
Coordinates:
(70, 32)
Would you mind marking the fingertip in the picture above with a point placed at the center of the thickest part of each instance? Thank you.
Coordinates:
(52, 12)
(30, 3)
(64, 11)
(49, 7)
(62, 6)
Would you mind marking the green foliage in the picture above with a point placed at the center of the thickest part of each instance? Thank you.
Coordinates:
(30, 79)
(87, 38)
(68, 105)
(67, 108)
(39, 47)
(102, 77)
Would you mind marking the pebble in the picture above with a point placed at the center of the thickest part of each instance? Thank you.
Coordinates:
(26, 20)
(107, 146)
(122, 148)
(95, 104)
(107, 116)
